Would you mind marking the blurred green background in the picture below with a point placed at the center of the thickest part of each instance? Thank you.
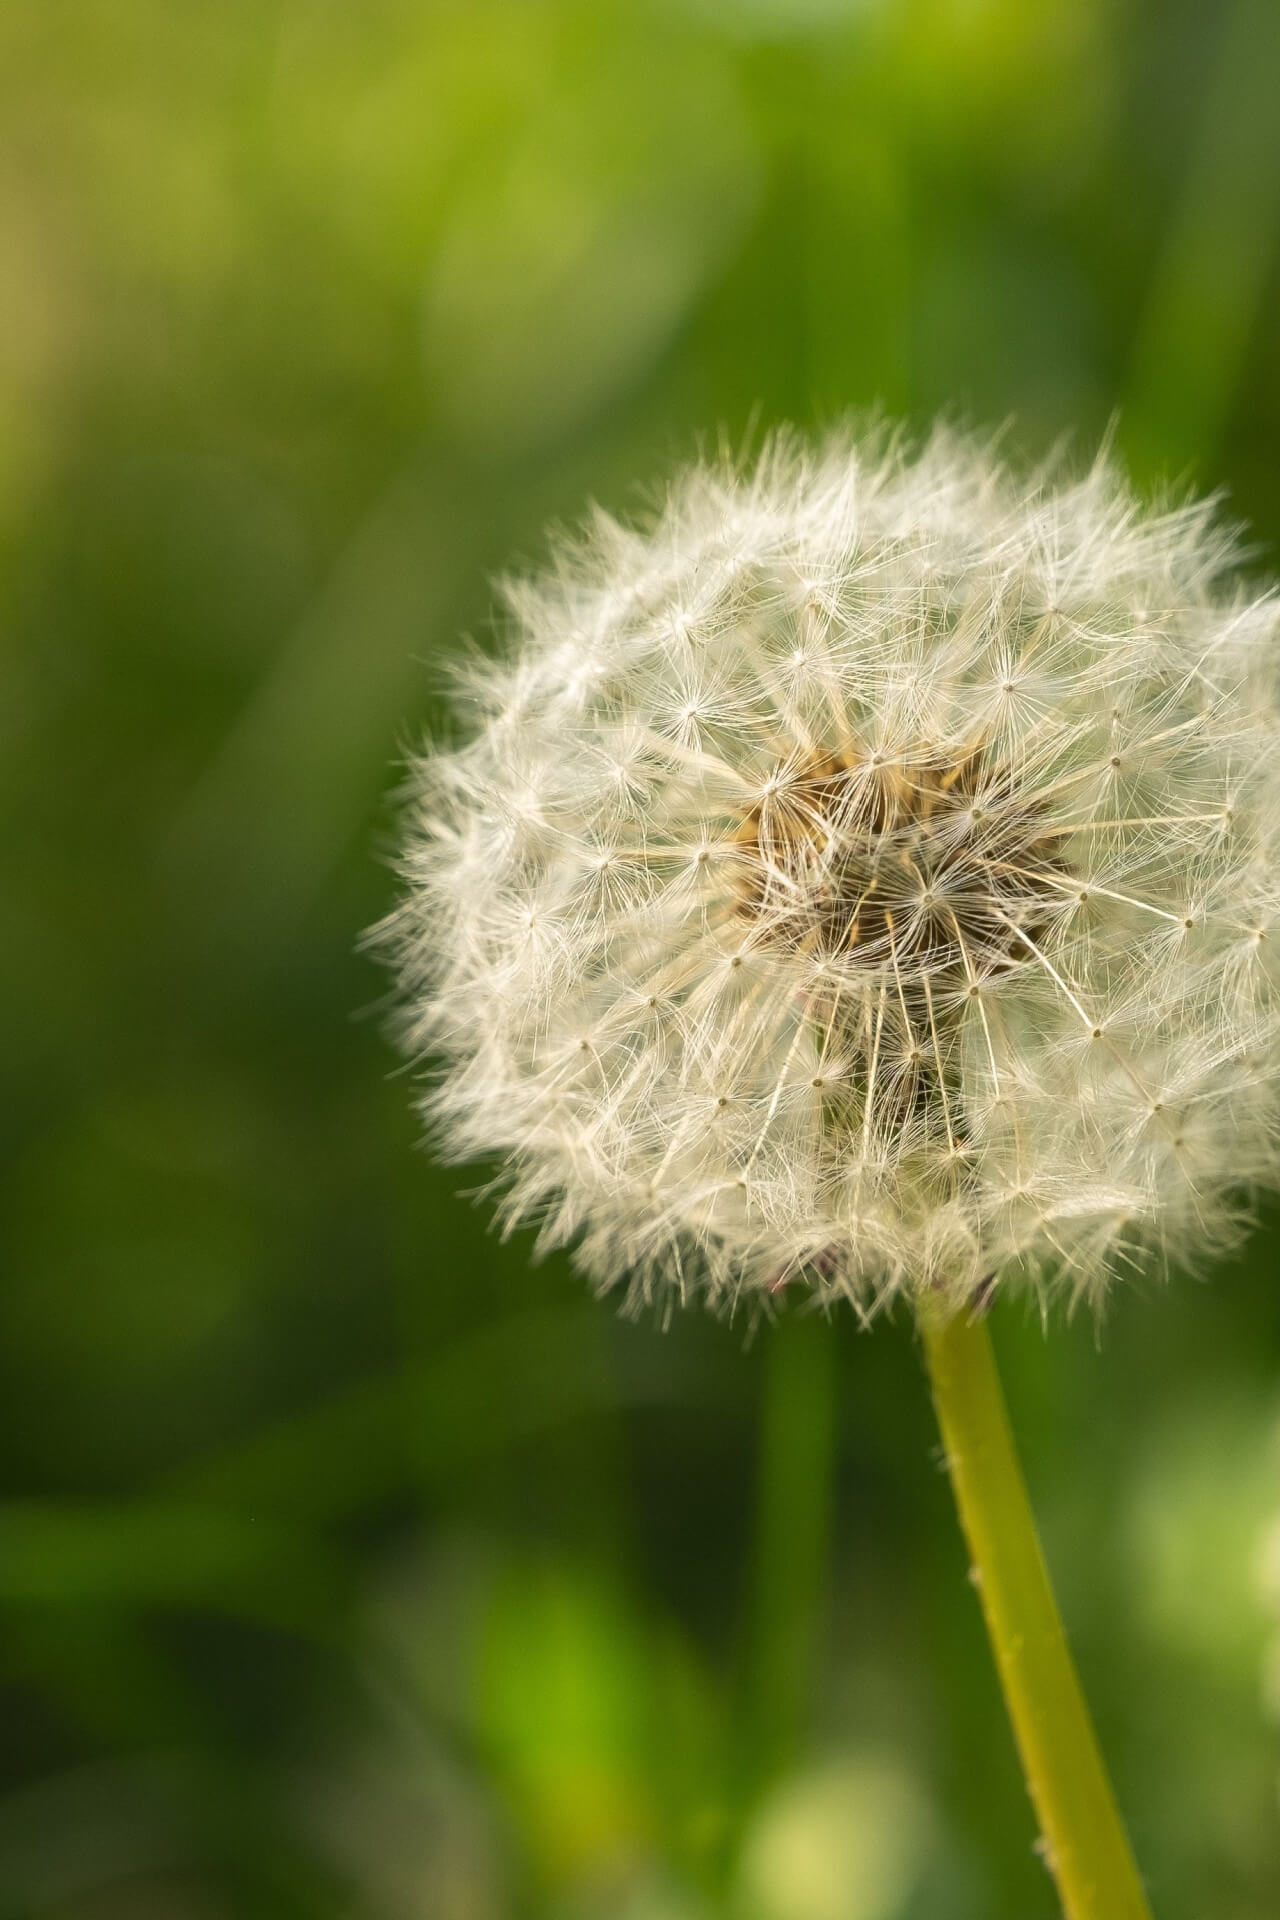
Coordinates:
(350, 1565)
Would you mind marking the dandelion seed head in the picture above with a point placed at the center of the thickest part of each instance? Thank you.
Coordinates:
(864, 875)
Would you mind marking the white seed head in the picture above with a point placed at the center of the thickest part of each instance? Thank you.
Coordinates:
(864, 873)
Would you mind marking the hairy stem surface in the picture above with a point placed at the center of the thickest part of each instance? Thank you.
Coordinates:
(1086, 1846)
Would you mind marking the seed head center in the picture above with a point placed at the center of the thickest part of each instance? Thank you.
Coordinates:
(930, 866)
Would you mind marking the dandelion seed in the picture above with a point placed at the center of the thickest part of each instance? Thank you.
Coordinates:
(864, 785)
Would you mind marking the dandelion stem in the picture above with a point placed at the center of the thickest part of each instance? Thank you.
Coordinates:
(1086, 1847)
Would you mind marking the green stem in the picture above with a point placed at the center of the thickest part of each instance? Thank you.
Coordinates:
(1086, 1847)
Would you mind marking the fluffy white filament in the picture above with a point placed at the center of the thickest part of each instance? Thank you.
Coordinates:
(865, 874)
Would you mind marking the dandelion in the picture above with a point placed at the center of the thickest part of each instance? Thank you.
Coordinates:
(863, 878)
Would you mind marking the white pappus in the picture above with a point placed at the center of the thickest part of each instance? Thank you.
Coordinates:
(862, 873)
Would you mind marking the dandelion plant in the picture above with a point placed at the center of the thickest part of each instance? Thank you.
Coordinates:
(860, 879)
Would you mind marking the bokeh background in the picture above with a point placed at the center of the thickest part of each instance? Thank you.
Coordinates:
(349, 1564)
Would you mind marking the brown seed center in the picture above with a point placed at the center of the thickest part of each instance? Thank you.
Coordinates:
(930, 865)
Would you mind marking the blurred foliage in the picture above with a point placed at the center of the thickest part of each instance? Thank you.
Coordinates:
(349, 1565)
